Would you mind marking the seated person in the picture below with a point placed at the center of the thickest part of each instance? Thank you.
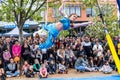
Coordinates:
(81, 65)
(25, 67)
(43, 71)
(36, 66)
(51, 58)
(62, 68)
(39, 56)
(30, 72)
(2, 72)
(46, 65)
(12, 69)
(70, 57)
(106, 68)
(52, 67)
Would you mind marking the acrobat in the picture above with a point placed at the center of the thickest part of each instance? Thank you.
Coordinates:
(54, 29)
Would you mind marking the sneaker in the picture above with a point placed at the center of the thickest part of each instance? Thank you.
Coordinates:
(18, 75)
(9, 76)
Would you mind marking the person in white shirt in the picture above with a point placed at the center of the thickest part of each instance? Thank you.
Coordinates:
(106, 68)
(97, 50)
(61, 54)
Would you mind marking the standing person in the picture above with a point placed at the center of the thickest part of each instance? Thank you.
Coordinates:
(87, 47)
(7, 45)
(55, 28)
(97, 49)
(39, 56)
(26, 51)
(61, 54)
(16, 49)
(44, 54)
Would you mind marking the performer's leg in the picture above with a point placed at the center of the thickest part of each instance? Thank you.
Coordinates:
(48, 43)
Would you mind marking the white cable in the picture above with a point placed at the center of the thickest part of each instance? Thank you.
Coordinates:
(46, 14)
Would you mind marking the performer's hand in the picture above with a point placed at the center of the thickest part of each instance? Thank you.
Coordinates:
(104, 26)
(91, 23)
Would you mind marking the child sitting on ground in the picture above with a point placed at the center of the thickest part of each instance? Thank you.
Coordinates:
(62, 68)
(30, 72)
(106, 68)
(36, 66)
(52, 67)
(25, 67)
(43, 71)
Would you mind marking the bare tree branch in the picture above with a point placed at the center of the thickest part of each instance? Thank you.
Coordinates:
(32, 2)
(15, 14)
(36, 10)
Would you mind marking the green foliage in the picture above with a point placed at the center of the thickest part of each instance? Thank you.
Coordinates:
(111, 21)
(24, 9)
(64, 33)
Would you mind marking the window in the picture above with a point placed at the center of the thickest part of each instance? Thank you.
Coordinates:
(78, 10)
(73, 9)
(90, 12)
(55, 12)
(69, 9)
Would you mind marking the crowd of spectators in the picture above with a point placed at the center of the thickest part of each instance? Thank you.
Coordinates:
(84, 54)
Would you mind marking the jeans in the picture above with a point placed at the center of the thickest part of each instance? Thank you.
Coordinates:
(107, 72)
(16, 73)
(80, 68)
(52, 70)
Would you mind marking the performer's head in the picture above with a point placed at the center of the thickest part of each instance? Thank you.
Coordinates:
(73, 16)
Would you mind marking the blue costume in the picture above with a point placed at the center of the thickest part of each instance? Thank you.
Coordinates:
(53, 32)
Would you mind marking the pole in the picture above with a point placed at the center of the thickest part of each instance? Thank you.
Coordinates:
(110, 43)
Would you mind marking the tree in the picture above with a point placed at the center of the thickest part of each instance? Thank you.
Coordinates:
(21, 10)
(110, 19)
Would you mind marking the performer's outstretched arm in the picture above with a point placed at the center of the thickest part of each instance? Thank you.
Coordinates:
(81, 24)
(61, 9)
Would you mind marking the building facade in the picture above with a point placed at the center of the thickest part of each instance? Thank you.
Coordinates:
(76, 7)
